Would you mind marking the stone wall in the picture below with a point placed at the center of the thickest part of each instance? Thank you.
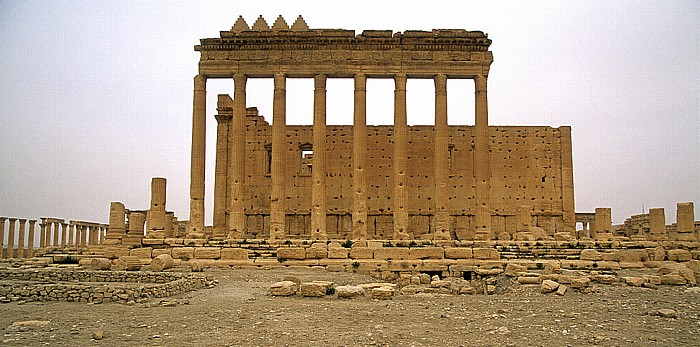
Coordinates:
(94, 286)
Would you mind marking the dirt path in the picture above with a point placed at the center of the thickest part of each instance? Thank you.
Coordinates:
(238, 312)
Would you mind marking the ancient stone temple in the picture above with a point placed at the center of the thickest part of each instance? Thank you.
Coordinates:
(369, 182)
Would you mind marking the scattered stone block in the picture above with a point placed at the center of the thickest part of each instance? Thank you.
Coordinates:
(633, 281)
(561, 290)
(548, 286)
(580, 282)
(347, 292)
(514, 270)
(283, 288)
(528, 280)
(128, 263)
(141, 253)
(315, 289)
(292, 253)
(162, 262)
(605, 279)
(673, 279)
(590, 254)
(95, 263)
(382, 293)
(679, 255)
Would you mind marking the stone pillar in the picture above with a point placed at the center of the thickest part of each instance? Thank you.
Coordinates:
(155, 217)
(400, 159)
(117, 224)
(135, 232)
(278, 200)
(482, 166)
(195, 227)
(657, 224)
(71, 231)
(64, 235)
(83, 236)
(49, 230)
(56, 232)
(20, 238)
(318, 167)
(440, 161)
(30, 239)
(237, 157)
(2, 237)
(359, 153)
(11, 238)
(603, 223)
(567, 181)
(223, 117)
(42, 233)
(685, 222)
(523, 220)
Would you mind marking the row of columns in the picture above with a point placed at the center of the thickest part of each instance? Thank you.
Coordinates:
(234, 170)
(52, 233)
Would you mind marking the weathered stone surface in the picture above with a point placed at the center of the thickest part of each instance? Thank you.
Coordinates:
(633, 281)
(580, 282)
(141, 253)
(162, 262)
(666, 313)
(361, 253)
(207, 253)
(458, 253)
(605, 279)
(679, 255)
(95, 263)
(548, 286)
(316, 253)
(485, 253)
(386, 253)
(183, 253)
(315, 288)
(346, 292)
(128, 263)
(561, 290)
(338, 253)
(294, 253)
(234, 254)
(528, 280)
(283, 288)
(382, 293)
(590, 254)
(426, 253)
(513, 269)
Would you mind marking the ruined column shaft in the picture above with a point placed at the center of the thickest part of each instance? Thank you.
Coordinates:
(56, 232)
(685, 222)
(117, 224)
(20, 238)
(482, 167)
(567, 180)
(440, 165)
(199, 132)
(318, 167)
(657, 224)
(400, 159)
(220, 173)
(2, 237)
(71, 231)
(30, 239)
(11, 238)
(156, 215)
(359, 152)
(236, 160)
(64, 235)
(279, 129)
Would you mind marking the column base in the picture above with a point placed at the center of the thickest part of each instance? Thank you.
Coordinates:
(483, 235)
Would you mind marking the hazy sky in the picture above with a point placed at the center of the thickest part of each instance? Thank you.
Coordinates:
(97, 96)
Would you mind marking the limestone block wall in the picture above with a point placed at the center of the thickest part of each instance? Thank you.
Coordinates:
(526, 169)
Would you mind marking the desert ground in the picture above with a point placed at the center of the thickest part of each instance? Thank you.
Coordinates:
(240, 312)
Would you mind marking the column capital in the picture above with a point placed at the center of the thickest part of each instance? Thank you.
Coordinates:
(360, 81)
(22, 220)
(12, 220)
(480, 83)
(32, 221)
(280, 81)
(239, 81)
(320, 81)
(200, 82)
(222, 118)
(400, 81)
(440, 83)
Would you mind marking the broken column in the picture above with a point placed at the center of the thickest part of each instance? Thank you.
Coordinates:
(117, 224)
(20, 238)
(155, 217)
(657, 224)
(685, 222)
(603, 223)
(135, 232)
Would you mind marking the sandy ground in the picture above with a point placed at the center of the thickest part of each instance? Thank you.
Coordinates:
(238, 312)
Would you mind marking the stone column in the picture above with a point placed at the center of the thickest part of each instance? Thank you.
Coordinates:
(134, 236)
(657, 224)
(359, 153)
(195, 227)
(117, 224)
(155, 217)
(56, 232)
(30, 239)
(400, 159)
(237, 156)
(11, 238)
(42, 233)
(278, 203)
(20, 238)
(482, 166)
(71, 231)
(318, 167)
(64, 235)
(685, 222)
(440, 163)
(83, 236)
(567, 180)
(2, 237)
(221, 170)
(603, 223)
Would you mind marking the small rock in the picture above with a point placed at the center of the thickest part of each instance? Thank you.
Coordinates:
(31, 323)
(667, 313)
(561, 290)
(548, 286)
(98, 334)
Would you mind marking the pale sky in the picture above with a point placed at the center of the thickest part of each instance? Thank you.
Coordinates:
(97, 96)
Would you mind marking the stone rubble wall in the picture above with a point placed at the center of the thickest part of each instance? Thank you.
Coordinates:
(94, 286)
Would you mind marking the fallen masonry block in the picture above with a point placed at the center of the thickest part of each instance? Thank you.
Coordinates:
(283, 288)
(382, 293)
(346, 292)
(316, 288)
(548, 286)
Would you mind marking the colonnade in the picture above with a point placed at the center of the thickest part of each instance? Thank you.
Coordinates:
(53, 232)
(235, 159)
